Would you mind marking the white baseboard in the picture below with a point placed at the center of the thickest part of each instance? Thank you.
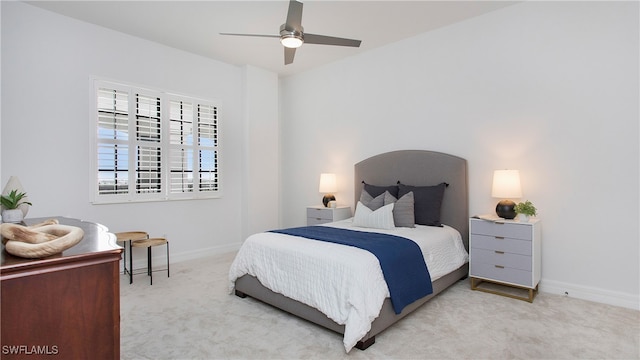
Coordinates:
(159, 259)
(615, 298)
(200, 253)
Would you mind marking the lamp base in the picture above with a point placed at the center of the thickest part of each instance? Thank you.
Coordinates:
(505, 209)
(327, 198)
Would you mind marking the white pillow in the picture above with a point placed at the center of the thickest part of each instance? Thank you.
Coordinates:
(379, 219)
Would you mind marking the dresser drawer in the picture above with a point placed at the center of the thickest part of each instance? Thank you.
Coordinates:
(316, 221)
(508, 245)
(511, 230)
(508, 275)
(491, 257)
(320, 214)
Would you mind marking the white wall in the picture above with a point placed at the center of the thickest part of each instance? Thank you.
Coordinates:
(47, 60)
(261, 177)
(549, 88)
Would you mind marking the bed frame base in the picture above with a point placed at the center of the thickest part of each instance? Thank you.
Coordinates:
(248, 285)
(363, 345)
(412, 167)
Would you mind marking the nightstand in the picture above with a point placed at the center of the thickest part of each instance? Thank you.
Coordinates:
(320, 214)
(505, 252)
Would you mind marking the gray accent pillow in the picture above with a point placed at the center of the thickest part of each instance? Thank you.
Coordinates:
(403, 213)
(371, 202)
(428, 202)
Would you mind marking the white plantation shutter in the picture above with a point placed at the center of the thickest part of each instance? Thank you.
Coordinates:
(148, 144)
(153, 146)
(181, 173)
(149, 170)
(207, 147)
(113, 138)
(194, 141)
(181, 139)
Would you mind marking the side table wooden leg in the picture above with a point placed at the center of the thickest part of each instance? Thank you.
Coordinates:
(149, 267)
(130, 263)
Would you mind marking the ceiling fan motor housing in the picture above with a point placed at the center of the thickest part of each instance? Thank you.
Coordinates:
(290, 37)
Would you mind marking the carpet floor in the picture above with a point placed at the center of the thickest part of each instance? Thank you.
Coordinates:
(191, 315)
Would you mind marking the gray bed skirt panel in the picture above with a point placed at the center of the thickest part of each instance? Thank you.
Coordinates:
(249, 285)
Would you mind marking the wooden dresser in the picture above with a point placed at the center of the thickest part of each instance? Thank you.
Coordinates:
(66, 306)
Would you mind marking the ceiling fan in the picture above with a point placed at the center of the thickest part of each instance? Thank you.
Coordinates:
(292, 34)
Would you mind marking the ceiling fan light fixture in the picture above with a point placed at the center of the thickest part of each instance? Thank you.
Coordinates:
(290, 37)
(291, 41)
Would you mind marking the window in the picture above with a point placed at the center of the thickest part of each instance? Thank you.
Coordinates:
(151, 145)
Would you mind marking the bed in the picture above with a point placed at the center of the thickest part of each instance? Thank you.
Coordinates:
(416, 168)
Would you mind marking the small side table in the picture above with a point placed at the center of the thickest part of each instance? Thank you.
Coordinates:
(127, 237)
(320, 214)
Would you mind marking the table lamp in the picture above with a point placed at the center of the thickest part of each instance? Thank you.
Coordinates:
(506, 185)
(328, 186)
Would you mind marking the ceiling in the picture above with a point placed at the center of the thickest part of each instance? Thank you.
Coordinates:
(194, 26)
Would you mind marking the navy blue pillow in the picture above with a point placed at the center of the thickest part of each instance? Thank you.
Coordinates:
(427, 202)
(375, 190)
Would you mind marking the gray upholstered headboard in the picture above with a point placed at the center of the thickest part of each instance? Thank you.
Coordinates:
(422, 168)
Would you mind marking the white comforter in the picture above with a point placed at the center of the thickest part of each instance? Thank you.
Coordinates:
(343, 282)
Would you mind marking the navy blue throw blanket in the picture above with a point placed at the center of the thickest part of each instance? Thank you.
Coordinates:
(401, 259)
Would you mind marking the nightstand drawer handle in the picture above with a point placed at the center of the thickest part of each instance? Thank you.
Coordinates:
(499, 252)
(499, 266)
(500, 237)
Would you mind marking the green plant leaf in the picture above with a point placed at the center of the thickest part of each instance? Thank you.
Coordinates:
(13, 200)
(526, 208)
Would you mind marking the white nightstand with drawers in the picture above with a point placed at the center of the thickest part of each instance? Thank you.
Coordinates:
(505, 252)
(320, 214)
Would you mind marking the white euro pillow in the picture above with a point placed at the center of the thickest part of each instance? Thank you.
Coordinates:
(381, 218)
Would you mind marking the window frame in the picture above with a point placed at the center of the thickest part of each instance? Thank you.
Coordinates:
(164, 144)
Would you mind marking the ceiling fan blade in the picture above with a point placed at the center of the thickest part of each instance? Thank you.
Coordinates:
(330, 40)
(289, 53)
(254, 35)
(294, 16)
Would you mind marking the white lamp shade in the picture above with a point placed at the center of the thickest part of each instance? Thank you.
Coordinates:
(328, 183)
(506, 184)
